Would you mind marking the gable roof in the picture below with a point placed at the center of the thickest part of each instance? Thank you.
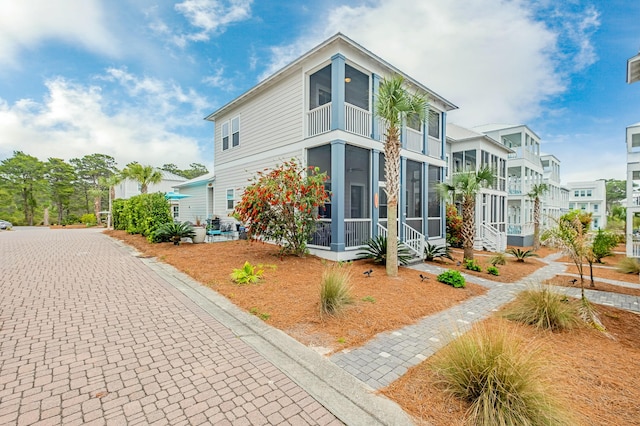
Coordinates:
(457, 133)
(206, 178)
(337, 38)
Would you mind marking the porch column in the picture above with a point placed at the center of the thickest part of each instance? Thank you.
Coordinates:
(337, 195)
(337, 92)
(402, 198)
(375, 171)
(375, 130)
(443, 136)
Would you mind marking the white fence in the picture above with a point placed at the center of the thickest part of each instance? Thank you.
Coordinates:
(319, 120)
(357, 232)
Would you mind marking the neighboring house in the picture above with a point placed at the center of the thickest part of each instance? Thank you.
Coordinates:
(555, 201)
(633, 182)
(319, 109)
(129, 187)
(195, 199)
(524, 169)
(590, 197)
(470, 150)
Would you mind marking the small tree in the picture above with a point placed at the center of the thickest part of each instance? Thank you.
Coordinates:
(603, 243)
(454, 226)
(282, 205)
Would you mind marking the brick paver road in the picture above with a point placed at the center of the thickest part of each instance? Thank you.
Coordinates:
(90, 335)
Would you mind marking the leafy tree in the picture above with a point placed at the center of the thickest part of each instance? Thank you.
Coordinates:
(194, 170)
(603, 243)
(23, 174)
(537, 190)
(454, 226)
(394, 105)
(144, 175)
(60, 176)
(616, 191)
(90, 169)
(466, 185)
(282, 205)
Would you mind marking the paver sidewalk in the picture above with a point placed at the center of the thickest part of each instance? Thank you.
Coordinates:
(389, 355)
(90, 335)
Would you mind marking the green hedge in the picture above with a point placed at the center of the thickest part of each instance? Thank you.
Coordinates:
(142, 214)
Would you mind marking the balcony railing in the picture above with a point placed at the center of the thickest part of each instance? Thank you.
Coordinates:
(527, 155)
(322, 236)
(413, 239)
(357, 120)
(357, 232)
(319, 120)
(414, 140)
(434, 148)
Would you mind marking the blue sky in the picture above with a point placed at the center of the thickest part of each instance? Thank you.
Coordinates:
(135, 78)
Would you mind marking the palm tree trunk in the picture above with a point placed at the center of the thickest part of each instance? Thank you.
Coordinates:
(468, 225)
(392, 173)
(536, 224)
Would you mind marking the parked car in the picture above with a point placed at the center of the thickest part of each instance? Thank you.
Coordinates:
(5, 225)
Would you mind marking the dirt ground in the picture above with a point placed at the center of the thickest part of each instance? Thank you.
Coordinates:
(597, 373)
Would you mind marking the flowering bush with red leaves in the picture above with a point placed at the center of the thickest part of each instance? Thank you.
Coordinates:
(454, 226)
(282, 204)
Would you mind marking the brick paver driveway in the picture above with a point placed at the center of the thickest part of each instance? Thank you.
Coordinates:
(89, 334)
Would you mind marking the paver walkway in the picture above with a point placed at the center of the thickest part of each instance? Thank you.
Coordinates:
(90, 335)
(389, 355)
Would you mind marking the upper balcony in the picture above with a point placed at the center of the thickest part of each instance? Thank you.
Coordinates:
(345, 102)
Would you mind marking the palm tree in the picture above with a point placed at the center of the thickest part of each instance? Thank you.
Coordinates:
(143, 174)
(393, 105)
(467, 185)
(537, 190)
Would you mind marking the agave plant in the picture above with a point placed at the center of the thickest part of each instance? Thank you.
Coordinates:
(432, 251)
(174, 231)
(376, 249)
(520, 254)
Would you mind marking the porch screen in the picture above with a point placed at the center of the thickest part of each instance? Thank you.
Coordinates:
(435, 202)
(320, 87)
(321, 157)
(356, 87)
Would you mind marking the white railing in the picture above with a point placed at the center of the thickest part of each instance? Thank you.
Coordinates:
(520, 229)
(382, 231)
(414, 240)
(357, 120)
(414, 140)
(322, 236)
(319, 120)
(382, 129)
(434, 148)
(357, 232)
(635, 245)
(492, 239)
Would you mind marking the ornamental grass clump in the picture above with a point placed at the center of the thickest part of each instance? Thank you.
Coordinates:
(628, 265)
(503, 378)
(335, 290)
(543, 308)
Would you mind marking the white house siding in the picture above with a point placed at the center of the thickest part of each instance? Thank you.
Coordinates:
(195, 205)
(237, 175)
(270, 120)
(591, 198)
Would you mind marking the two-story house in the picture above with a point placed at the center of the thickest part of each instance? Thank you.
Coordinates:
(633, 182)
(319, 109)
(470, 150)
(555, 201)
(590, 197)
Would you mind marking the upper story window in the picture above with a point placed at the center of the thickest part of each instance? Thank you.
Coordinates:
(230, 199)
(464, 161)
(356, 87)
(320, 87)
(225, 136)
(413, 122)
(235, 133)
(434, 124)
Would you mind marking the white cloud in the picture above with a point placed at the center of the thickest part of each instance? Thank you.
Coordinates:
(211, 17)
(494, 59)
(74, 120)
(219, 81)
(26, 23)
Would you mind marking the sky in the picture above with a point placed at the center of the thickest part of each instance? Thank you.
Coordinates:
(134, 79)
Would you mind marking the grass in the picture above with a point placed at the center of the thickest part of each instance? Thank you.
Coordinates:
(501, 377)
(335, 291)
(628, 265)
(543, 309)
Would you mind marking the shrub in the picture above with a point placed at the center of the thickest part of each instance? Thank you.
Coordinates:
(454, 226)
(335, 291)
(498, 259)
(472, 265)
(602, 245)
(628, 265)
(144, 213)
(493, 270)
(542, 308)
(503, 378)
(521, 255)
(89, 219)
(173, 231)
(117, 210)
(432, 251)
(452, 277)
(376, 249)
(248, 274)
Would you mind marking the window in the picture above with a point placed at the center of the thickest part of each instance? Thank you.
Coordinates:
(434, 226)
(356, 87)
(413, 190)
(413, 122)
(572, 206)
(357, 183)
(176, 211)
(235, 131)
(434, 124)
(320, 87)
(588, 193)
(230, 199)
(576, 193)
(225, 136)
(595, 208)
